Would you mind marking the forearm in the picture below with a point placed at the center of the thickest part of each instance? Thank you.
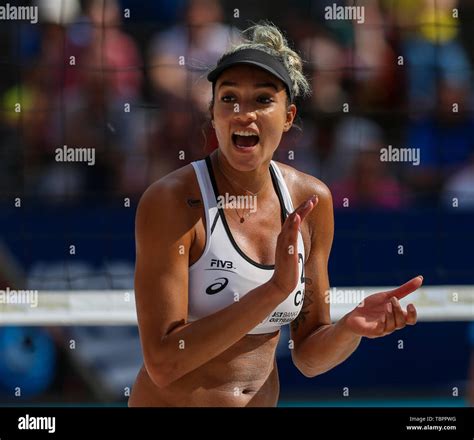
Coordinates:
(325, 348)
(193, 344)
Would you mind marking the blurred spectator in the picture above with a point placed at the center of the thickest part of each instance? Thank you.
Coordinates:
(374, 61)
(91, 114)
(369, 185)
(434, 53)
(58, 49)
(179, 57)
(459, 189)
(329, 62)
(27, 130)
(340, 144)
(175, 138)
(112, 51)
(445, 140)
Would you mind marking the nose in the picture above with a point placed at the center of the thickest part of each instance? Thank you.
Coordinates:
(244, 113)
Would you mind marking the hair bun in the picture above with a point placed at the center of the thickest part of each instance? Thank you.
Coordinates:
(268, 35)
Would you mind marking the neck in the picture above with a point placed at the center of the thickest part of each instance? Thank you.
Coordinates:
(255, 181)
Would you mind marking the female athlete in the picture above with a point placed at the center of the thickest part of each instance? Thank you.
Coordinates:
(232, 247)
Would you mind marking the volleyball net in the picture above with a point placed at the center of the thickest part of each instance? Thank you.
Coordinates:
(117, 307)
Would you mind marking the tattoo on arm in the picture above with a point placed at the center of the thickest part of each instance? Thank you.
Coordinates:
(308, 300)
(194, 203)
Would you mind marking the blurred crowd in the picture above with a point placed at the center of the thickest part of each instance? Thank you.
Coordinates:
(127, 78)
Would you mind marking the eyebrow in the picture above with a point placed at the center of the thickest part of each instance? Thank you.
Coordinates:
(257, 85)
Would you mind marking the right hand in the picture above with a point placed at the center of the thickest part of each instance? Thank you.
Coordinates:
(286, 274)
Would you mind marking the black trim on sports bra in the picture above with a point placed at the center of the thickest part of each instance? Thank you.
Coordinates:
(283, 212)
(214, 222)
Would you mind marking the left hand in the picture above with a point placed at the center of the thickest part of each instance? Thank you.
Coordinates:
(381, 313)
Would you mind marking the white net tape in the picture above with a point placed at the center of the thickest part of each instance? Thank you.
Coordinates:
(117, 307)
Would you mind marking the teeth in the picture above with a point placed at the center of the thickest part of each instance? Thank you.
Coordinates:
(245, 133)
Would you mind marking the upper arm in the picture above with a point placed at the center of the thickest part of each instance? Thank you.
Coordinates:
(163, 238)
(315, 311)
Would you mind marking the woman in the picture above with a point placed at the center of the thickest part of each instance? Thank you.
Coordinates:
(224, 259)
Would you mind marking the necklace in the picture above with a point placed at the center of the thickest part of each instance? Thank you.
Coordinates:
(232, 182)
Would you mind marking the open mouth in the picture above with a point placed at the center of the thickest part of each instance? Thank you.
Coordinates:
(245, 139)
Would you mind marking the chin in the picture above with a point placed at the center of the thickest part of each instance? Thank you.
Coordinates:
(242, 161)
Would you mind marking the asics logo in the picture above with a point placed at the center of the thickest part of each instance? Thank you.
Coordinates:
(217, 287)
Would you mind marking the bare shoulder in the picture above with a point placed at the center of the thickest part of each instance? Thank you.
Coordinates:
(170, 201)
(318, 227)
(302, 185)
(170, 187)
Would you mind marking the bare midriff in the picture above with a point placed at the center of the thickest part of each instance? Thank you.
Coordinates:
(244, 375)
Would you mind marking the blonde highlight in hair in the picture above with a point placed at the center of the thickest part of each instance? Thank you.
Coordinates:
(266, 37)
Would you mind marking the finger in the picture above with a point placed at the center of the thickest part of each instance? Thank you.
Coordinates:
(398, 314)
(379, 329)
(289, 232)
(304, 208)
(411, 314)
(293, 235)
(389, 320)
(406, 289)
(307, 207)
(289, 235)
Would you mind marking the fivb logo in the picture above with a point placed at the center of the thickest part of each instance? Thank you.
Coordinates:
(225, 264)
(37, 423)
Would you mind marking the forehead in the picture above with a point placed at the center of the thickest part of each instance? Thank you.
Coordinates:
(244, 75)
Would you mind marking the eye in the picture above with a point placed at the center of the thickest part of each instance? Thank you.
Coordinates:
(265, 100)
(227, 98)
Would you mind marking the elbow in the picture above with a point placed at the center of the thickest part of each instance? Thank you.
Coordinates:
(158, 376)
(162, 373)
(305, 369)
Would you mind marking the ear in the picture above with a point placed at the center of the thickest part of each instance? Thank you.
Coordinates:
(290, 116)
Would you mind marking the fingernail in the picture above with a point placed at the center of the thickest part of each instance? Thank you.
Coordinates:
(420, 276)
(394, 301)
(313, 199)
(389, 307)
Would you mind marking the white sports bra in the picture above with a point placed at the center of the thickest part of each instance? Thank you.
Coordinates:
(224, 273)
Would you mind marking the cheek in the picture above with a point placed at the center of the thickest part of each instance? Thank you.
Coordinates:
(224, 112)
(274, 120)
